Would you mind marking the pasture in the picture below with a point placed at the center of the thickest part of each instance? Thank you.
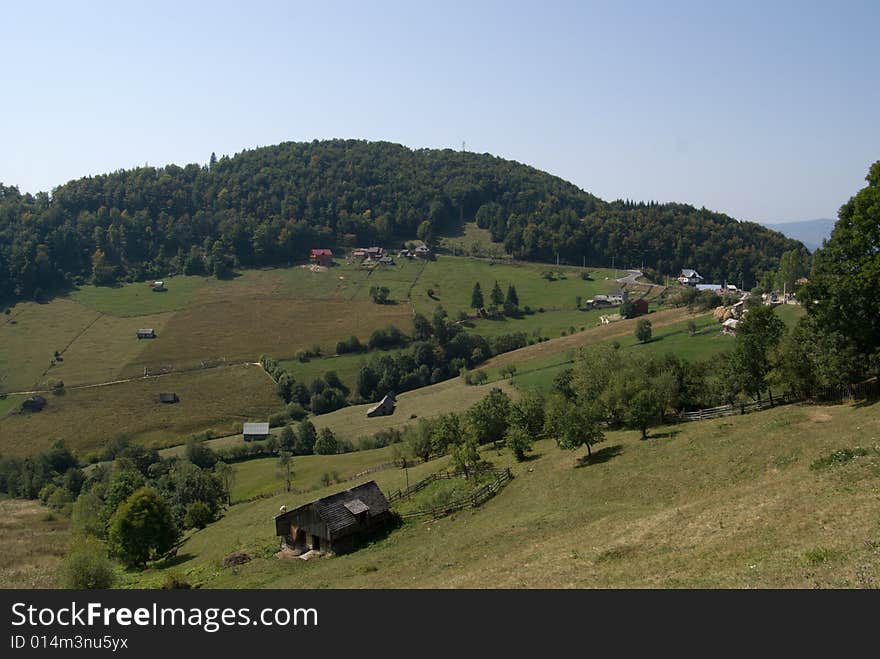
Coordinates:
(219, 399)
(727, 503)
(33, 542)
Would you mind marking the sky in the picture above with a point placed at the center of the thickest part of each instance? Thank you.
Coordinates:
(767, 111)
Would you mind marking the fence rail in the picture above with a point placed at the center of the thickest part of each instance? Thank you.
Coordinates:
(474, 499)
(857, 391)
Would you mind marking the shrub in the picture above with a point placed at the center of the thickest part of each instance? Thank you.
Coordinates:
(197, 516)
(141, 528)
(173, 581)
(87, 566)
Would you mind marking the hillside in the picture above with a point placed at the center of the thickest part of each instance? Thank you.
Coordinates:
(810, 232)
(268, 206)
(732, 502)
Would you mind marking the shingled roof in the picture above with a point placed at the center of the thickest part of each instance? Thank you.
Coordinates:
(339, 511)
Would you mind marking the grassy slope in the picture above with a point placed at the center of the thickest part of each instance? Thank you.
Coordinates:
(724, 503)
(32, 542)
(220, 399)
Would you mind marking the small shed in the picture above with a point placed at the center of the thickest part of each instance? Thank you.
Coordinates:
(334, 523)
(729, 326)
(384, 407)
(146, 333)
(255, 431)
(321, 256)
(158, 287)
(169, 398)
(33, 404)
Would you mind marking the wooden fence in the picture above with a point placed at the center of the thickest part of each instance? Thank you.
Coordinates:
(474, 499)
(862, 390)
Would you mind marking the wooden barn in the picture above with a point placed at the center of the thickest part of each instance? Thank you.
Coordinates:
(33, 404)
(169, 398)
(384, 407)
(146, 333)
(321, 257)
(255, 431)
(640, 306)
(334, 524)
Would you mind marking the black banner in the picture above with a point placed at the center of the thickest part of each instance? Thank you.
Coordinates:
(406, 623)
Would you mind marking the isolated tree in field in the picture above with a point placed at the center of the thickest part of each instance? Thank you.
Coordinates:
(418, 440)
(572, 425)
(379, 294)
(519, 441)
(512, 298)
(285, 468)
(306, 436)
(496, 296)
(642, 410)
(487, 420)
(692, 327)
(465, 455)
(643, 330)
(326, 443)
(226, 473)
(142, 528)
(477, 297)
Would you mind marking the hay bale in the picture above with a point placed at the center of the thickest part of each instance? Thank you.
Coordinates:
(236, 558)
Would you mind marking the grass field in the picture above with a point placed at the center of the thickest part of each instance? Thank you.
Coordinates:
(724, 503)
(33, 542)
(28, 344)
(449, 396)
(219, 399)
(9, 404)
(139, 299)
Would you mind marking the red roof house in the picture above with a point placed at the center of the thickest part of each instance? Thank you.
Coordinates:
(321, 256)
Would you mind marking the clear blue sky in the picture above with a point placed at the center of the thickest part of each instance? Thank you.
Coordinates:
(766, 111)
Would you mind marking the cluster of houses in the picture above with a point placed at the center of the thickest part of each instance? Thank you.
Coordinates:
(615, 299)
(690, 277)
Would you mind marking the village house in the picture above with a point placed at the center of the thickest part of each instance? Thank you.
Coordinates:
(334, 524)
(146, 333)
(33, 404)
(252, 432)
(384, 407)
(321, 257)
(169, 398)
(689, 277)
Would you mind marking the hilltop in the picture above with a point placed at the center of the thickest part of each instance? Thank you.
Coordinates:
(269, 206)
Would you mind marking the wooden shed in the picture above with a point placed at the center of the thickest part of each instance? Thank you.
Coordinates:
(168, 398)
(255, 431)
(384, 407)
(335, 523)
(146, 333)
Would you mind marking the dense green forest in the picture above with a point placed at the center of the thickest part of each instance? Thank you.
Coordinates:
(270, 205)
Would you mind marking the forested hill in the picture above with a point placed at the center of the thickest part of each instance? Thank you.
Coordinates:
(270, 205)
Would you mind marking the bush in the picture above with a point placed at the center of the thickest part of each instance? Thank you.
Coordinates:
(173, 581)
(142, 528)
(197, 516)
(87, 566)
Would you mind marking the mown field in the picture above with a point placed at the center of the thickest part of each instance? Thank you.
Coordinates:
(218, 399)
(33, 542)
(729, 503)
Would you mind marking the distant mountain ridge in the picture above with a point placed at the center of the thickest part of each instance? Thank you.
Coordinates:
(810, 232)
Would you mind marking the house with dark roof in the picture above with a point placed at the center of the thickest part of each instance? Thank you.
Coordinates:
(690, 277)
(384, 407)
(321, 257)
(335, 523)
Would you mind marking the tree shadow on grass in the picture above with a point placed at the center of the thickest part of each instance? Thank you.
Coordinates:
(171, 561)
(600, 456)
(664, 435)
(531, 457)
(867, 402)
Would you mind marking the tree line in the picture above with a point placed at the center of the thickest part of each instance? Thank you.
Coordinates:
(269, 206)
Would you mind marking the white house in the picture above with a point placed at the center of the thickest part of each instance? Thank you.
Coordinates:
(689, 277)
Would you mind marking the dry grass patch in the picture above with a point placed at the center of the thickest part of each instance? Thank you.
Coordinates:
(240, 330)
(219, 399)
(33, 542)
